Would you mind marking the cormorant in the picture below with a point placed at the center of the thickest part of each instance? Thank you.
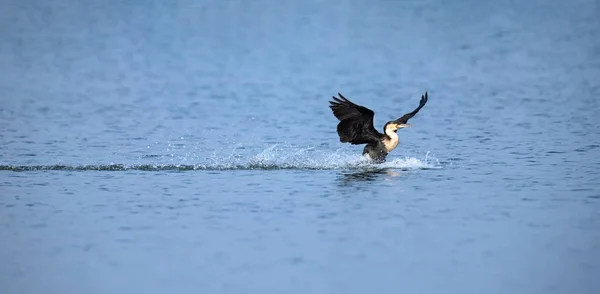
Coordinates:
(356, 127)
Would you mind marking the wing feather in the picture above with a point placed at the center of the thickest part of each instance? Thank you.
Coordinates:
(404, 119)
(356, 122)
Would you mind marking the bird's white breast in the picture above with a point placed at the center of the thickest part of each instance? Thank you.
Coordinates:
(392, 142)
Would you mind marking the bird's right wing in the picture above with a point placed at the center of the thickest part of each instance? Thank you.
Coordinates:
(356, 122)
(404, 119)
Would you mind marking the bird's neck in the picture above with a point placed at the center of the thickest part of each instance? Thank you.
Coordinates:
(390, 141)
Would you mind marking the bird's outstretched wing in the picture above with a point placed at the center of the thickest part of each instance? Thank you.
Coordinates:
(356, 122)
(404, 119)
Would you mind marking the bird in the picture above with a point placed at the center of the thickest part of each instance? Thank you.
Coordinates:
(356, 127)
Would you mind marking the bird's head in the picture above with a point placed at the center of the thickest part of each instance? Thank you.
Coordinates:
(394, 126)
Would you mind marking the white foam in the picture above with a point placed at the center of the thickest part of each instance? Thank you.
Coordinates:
(281, 156)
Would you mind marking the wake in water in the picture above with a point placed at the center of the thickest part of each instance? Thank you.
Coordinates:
(309, 158)
(272, 158)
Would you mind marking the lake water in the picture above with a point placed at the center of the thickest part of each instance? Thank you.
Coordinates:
(188, 147)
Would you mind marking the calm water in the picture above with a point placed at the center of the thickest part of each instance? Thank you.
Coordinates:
(188, 147)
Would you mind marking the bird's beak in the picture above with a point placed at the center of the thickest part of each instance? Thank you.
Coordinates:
(402, 126)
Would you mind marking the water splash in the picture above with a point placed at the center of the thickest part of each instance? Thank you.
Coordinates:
(275, 157)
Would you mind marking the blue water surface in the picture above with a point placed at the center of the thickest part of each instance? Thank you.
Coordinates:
(187, 147)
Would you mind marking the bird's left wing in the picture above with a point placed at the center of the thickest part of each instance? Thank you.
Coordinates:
(356, 122)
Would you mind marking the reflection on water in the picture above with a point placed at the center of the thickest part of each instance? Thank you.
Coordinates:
(370, 175)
